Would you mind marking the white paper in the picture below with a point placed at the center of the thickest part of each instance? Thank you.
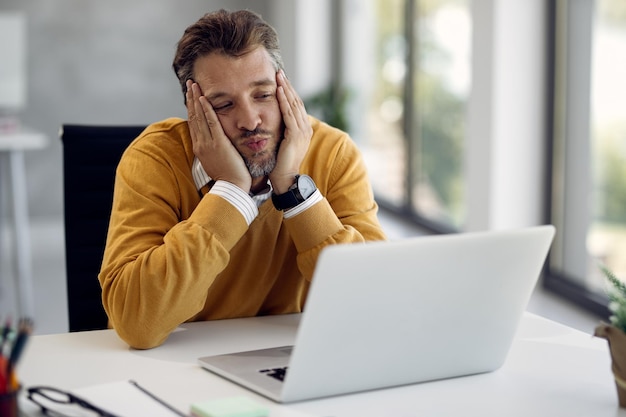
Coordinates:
(125, 400)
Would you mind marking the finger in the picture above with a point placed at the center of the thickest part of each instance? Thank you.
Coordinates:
(191, 117)
(292, 118)
(200, 122)
(295, 116)
(211, 120)
(294, 103)
(193, 110)
(288, 115)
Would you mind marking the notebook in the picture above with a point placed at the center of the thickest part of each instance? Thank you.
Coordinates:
(384, 314)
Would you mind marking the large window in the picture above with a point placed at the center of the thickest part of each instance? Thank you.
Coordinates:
(607, 233)
(589, 192)
(417, 82)
(416, 111)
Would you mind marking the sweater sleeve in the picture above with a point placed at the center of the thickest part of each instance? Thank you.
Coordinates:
(157, 268)
(348, 211)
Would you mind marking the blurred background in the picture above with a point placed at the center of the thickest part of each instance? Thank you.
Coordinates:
(472, 115)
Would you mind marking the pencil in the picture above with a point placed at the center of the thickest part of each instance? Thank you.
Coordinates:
(23, 333)
(11, 351)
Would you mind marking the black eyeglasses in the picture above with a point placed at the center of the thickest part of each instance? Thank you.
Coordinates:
(55, 402)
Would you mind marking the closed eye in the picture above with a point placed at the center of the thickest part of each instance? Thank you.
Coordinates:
(221, 106)
(263, 96)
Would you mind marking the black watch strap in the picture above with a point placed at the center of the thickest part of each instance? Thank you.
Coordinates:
(303, 188)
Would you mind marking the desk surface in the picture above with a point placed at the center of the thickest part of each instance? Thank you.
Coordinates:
(551, 370)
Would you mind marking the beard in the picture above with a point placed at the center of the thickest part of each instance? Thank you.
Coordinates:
(262, 163)
(261, 167)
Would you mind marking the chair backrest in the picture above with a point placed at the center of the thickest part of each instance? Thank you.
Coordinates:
(90, 157)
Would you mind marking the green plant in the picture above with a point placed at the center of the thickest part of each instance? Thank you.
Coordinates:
(617, 299)
(330, 105)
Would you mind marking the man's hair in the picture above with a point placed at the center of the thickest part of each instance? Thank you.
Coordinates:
(229, 33)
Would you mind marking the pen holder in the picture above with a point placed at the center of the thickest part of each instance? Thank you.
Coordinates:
(8, 403)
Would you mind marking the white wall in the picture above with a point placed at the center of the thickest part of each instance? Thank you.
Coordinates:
(305, 42)
(506, 119)
(108, 62)
(91, 61)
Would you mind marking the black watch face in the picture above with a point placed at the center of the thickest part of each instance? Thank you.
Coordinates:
(306, 186)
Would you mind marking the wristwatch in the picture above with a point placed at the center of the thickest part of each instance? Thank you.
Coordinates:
(302, 189)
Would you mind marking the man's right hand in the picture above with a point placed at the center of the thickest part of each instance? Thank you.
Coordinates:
(218, 156)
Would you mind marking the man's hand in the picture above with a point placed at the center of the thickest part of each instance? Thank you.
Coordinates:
(298, 133)
(216, 153)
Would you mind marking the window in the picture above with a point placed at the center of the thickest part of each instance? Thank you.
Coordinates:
(589, 168)
(416, 107)
(416, 135)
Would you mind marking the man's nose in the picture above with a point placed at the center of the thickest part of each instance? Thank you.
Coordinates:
(248, 117)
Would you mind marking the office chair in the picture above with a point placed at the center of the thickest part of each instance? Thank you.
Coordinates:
(90, 157)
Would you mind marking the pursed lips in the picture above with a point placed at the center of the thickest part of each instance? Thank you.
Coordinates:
(256, 144)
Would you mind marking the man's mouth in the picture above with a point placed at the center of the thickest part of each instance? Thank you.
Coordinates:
(256, 145)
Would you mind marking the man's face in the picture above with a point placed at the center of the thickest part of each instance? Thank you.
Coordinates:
(242, 91)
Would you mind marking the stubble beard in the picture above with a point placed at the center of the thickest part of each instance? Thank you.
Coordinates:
(258, 165)
(261, 167)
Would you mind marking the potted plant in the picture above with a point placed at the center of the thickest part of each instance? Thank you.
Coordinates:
(615, 331)
(330, 105)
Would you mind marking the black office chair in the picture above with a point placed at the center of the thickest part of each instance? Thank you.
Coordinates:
(90, 156)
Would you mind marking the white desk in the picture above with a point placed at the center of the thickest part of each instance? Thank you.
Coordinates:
(12, 147)
(552, 370)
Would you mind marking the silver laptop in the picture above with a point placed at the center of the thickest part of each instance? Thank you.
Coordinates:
(385, 314)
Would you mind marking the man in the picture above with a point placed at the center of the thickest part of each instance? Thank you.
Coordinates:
(224, 215)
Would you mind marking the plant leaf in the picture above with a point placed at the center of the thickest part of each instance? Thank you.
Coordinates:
(617, 284)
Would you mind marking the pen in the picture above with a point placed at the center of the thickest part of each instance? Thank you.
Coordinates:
(157, 399)
(24, 331)
(12, 344)
(4, 382)
(4, 337)
(4, 362)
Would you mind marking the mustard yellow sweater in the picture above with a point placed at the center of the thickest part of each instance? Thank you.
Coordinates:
(173, 255)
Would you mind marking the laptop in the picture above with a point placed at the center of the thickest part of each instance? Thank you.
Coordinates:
(384, 314)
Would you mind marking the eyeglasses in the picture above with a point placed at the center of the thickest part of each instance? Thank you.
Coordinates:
(54, 402)
(57, 403)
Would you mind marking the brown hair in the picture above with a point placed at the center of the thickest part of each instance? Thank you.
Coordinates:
(229, 33)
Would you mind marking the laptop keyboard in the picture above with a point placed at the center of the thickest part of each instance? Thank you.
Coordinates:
(277, 373)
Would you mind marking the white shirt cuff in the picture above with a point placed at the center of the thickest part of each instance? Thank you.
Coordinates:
(238, 198)
(309, 202)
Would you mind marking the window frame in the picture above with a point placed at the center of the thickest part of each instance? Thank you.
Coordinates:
(566, 126)
(411, 127)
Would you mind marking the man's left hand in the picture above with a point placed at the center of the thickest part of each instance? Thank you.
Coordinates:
(297, 136)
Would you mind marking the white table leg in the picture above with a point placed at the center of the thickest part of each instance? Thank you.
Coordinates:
(3, 256)
(24, 281)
